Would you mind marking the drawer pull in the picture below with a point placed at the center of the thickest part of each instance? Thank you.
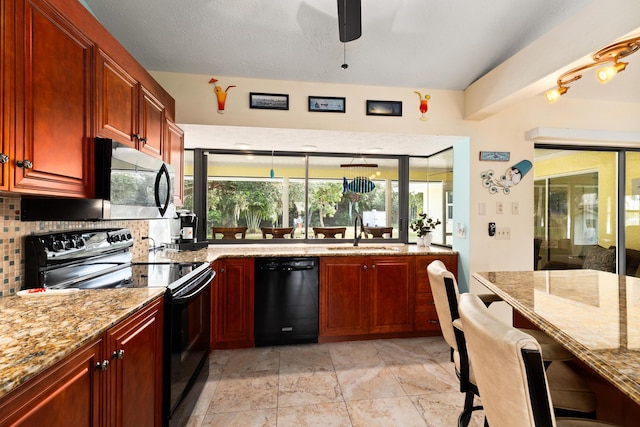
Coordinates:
(102, 366)
(27, 164)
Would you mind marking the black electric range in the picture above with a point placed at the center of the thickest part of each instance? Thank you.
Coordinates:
(102, 259)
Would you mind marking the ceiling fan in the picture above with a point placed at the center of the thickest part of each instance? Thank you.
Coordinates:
(349, 20)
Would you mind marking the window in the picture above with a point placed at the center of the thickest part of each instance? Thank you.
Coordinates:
(575, 202)
(306, 197)
(431, 191)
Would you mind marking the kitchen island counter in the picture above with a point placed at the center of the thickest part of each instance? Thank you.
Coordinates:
(38, 331)
(594, 314)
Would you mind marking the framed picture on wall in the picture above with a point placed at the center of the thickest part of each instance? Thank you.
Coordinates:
(327, 104)
(269, 101)
(384, 108)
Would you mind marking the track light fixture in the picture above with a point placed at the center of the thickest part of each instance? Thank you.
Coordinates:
(612, 53)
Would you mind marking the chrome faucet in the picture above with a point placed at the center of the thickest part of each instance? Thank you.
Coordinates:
(357, 235)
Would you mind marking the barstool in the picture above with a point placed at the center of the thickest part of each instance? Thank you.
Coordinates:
(510, 373)
(572, 392)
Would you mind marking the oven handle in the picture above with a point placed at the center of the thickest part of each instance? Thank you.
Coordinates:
(185, 298)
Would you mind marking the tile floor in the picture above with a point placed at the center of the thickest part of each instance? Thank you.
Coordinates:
(397, 382)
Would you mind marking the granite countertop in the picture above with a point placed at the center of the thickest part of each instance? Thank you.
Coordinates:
(213, 252)
(38, 331)
(596, 315)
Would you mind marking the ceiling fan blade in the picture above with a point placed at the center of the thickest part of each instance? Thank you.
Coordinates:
(349, 20)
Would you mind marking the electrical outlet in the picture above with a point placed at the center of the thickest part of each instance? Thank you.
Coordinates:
(503, 233)
(515, 208)
(499, 207)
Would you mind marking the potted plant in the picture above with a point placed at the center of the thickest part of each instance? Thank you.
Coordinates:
(423, 226)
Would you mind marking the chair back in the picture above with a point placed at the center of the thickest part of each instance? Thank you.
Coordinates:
(509, 371)
(229, 233)
(445, 296)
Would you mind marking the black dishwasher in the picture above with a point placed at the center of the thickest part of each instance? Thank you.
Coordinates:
(286, 300)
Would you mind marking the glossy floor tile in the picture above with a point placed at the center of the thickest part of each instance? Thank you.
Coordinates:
(398, 382)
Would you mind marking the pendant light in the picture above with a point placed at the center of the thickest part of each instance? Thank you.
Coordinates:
(272, 172)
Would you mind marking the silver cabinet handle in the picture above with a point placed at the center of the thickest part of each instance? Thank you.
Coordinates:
(24, 164)
(102, 366)
(118, 354)
(364, 267)
(373, 266)
(3, 158)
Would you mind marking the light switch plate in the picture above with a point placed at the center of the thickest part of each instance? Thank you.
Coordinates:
(515, 208)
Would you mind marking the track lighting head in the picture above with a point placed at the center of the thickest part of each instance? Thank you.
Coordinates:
(604, 74)
(608, 54)
(552, 95)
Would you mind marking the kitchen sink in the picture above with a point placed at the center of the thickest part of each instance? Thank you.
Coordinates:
(365, 248)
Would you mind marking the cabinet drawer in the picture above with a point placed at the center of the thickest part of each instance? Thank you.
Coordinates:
(427, 322)
(425, 303)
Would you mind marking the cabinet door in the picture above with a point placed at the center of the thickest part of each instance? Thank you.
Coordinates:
(54, 69)
(68, 394)
(343, 296)
(135, 352)
(234, 300)
(6, 89)
(391, 287)
(151, 128)
(175, 157)
(116, 101)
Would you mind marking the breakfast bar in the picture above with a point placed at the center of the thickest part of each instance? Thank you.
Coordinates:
(594, 314)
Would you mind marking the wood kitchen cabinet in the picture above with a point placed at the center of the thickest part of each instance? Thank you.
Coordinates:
(126, 110)
(68, 394)
(98, 384)
(135, 351)
(66, 80)
(366, 295)
(116, 101)
(344, 299)
(174, 155)
(233, 303)
(426, 319)
(48, 101)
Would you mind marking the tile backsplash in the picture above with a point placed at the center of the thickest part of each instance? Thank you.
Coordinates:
(13, 232)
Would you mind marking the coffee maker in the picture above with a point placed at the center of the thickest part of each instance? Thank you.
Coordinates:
(183, 227)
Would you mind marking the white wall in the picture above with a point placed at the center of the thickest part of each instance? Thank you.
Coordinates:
(504, 131)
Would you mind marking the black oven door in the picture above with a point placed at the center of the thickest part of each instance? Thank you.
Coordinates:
(187, 347)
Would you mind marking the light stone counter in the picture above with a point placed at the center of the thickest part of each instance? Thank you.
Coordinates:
(38, 331)
(596, 315)
(214, 252)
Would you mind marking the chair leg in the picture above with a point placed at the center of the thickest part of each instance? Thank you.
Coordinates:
(465, 415)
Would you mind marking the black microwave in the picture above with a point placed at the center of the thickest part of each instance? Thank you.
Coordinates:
(129, 185)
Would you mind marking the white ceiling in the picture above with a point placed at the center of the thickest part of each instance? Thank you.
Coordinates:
(431, 44)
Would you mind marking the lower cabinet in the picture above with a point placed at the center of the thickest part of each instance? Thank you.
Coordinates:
(135, 351)
(233, 303)
(426, 319)
(115, 379)
(366, 295)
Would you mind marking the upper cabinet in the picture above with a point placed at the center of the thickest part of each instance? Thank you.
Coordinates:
(126, 110)
(174, 143)
(66, 80)
(116, 101)
(48, 83)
